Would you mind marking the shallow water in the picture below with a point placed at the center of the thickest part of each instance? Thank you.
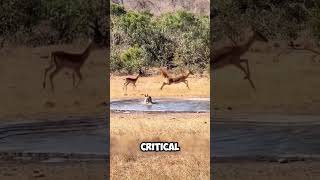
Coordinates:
(261, 139)
(162, 105)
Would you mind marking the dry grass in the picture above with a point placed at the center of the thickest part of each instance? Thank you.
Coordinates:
(192, 131)
(199, 87)
(157, 7)
(21, 76)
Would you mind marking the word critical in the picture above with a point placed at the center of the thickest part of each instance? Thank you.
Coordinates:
(159, 146)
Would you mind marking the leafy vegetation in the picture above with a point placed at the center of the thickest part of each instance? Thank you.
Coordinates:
(279, 20)
(141, 39)
(37, 22)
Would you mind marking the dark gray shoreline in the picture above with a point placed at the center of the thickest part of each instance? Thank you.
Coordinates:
(84, 138)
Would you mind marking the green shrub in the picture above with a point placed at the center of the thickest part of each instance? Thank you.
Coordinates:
(180, 21)
(132, 59)
(117, 10)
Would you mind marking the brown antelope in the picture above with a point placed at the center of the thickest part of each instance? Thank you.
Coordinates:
(131, 80)
(62, 59)
(175, 80)
(231, 55)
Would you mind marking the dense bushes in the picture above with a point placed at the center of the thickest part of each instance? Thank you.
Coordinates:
(279, 20)
(180, 38)
(37, 22)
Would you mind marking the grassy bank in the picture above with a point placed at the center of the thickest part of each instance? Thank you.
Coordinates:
(190, 130)
(21, 76)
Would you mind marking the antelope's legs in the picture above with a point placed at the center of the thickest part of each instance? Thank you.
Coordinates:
(125, 86)
(251, 83)
(238, 65)
(45, 74)
(79, 75)
(186, 82)
(247, 65)
(247, 76)
(52, 75)
(163, 84)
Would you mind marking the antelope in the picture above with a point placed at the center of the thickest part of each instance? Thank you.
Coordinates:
(131, 80)
(175, 80)
(231, 55)
(62, 59)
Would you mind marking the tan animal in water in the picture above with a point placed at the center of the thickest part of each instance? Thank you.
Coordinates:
(231, 55)
(147, 99)
(62, 59)
(182, 78)
(131, 80)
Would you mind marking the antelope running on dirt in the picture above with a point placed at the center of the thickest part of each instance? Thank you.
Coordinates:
(175, 80)
(131, 80)
(231, 55)
(62, 59)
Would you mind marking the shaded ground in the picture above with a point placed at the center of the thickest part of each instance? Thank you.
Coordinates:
(280, 118)
(80, 170)
(71, 135)
(73, 148)
(21, 76)
(265, 139)
(289, 86)
(266, 171)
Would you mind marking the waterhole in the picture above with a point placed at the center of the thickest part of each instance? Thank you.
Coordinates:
(162, 105)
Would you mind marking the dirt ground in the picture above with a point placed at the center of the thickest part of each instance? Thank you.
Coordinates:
(199, 87)
(21, 76)
(290, 86)
(52, 171)
(191, 130)
(266, 171)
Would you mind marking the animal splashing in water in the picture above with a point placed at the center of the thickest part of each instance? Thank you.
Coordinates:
(148, 100)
